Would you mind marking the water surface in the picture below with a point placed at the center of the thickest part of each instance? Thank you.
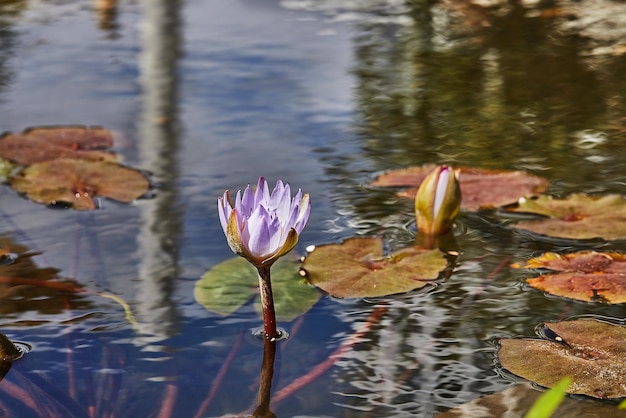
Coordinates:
(208, 95)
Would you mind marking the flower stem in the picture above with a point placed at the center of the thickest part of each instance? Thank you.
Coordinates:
(265, 385)
(267, 301)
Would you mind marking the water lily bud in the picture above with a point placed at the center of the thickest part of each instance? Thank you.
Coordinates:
(262, 226)
(438, 201)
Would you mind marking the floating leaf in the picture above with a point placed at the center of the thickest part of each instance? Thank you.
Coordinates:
(77, 182)
(514, 401)
(480, 188)
(591, 352)
(16, 261)
(579, 216)
(25, 286)
(8, 350)
(230, 284)
(48, 143)
(6, 168)
(585, 275)
(356, 268)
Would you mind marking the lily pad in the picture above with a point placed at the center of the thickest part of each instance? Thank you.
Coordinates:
(585, 275)
(16, 261)
(229, 285)
(579, 216)
(517, 400)
(591, 352)
(19, 283)
(356, 268)
(480, 188)
(77, 182)
(35, 145)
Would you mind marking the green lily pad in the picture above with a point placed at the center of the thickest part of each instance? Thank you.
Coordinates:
(39, 144)
(585, 275)
(356, 268)
(591, 352)
(229, 285)
(480, 188)
(77, 182)
(579, 216)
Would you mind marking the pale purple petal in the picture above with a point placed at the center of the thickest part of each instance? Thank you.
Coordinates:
(247, 201)
(276, 235)
(282, 204)
(260, 236)
(277, 194)
(262, 194)
(224, 210)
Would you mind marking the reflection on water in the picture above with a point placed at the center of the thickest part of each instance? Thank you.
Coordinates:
(324, 94)
(159, 237)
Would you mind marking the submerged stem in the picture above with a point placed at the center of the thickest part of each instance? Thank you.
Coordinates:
(265, 388)
(267, 301)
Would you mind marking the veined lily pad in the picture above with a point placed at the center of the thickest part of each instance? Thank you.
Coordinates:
(48, 143)
(586, 275)
(480, 188)
(591, 352)
(77, 182)
(579, 216)
(230, 284)
(356, 268)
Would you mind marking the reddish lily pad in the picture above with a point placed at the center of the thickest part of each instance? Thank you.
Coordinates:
(480, 188)
(579, 216)
(35, 145)
(586, 275)
(591, 352)
(356, 268)
(77, 182)
(19, 283)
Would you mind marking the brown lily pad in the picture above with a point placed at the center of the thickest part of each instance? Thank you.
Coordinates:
(356, 268)
(35, 145)
(517, 400)
(591, 352)
(480, 188)
(24, 286)
(579, 216)
(77, 182)
(585, 275)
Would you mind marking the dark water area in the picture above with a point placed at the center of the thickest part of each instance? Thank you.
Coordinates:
(208, 96)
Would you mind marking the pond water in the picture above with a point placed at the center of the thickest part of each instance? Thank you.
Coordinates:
(207, 96)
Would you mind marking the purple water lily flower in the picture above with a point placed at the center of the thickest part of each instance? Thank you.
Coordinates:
(262, 226)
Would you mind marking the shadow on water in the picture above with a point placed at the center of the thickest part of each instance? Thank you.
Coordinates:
(216, 87)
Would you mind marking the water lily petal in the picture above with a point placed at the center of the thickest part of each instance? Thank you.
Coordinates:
(232, 233)
(303, 213)
(290, 242)
(262, 194)
(260, 236)
(282, 201)
(224, 209)
(247, 201)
